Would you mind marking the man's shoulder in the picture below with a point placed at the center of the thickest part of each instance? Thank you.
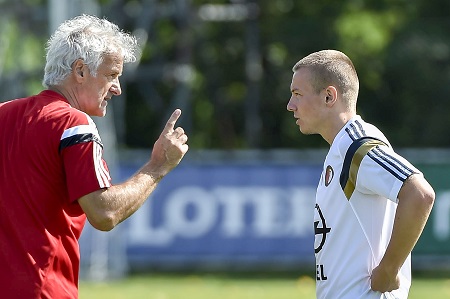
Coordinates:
(61, 110)
(49, 109)
(358, 129)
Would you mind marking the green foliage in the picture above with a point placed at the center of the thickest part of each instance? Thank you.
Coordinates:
(21, 53)
(232, 78)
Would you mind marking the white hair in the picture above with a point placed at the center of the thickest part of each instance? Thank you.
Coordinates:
(88, 38)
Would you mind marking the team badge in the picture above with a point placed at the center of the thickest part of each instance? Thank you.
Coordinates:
(329, 174)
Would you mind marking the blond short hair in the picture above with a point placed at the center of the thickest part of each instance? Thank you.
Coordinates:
(331, 67)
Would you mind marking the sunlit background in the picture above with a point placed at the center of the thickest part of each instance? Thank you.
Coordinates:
(243, 197)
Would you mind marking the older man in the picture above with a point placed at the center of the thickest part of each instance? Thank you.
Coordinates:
(52, 174)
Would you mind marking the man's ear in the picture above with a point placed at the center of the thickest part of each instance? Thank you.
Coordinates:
(330, 95)
(78, 69)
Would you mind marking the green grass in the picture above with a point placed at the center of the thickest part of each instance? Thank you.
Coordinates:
(430, 288)
(203, 286)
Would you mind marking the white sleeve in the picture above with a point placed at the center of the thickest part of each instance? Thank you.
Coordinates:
(382, 172)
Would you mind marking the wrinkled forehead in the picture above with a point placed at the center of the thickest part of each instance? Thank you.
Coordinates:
(113, 57)
(112, 61)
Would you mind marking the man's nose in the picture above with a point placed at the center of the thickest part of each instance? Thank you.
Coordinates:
(115, 88)
(290, 106)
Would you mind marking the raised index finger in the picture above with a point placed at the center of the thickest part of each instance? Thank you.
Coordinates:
(172, 120)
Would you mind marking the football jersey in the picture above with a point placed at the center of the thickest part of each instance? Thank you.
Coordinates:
(51, 155)
(355, 208)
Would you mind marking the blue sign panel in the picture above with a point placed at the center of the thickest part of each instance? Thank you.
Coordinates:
(226, 214)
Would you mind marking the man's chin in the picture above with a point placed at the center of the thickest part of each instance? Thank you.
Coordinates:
(99, 113)
(303, 131)
(103, 112)
(306, 132)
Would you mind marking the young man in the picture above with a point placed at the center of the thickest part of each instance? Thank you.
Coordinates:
(371, 203)
(52, 175)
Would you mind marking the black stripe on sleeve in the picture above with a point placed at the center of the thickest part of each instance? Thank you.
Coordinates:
(77, 139)
(394, 166)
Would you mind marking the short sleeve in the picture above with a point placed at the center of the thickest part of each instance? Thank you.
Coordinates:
(382, 172)
(81, 151)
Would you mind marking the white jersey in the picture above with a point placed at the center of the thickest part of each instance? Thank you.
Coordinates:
(355, 207)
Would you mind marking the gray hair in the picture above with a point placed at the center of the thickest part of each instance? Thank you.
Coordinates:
(88, 38)
(331, 67)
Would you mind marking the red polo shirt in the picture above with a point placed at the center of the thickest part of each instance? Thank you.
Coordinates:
(51, 155)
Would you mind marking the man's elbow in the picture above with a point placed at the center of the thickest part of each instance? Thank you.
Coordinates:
(103, 222)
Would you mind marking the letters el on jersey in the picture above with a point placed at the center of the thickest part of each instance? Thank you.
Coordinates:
(355, 153)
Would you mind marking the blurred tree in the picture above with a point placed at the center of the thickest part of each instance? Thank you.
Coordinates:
(227, 64)
(21, 47)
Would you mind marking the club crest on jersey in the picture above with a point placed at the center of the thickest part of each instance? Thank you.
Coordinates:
(329, 174)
